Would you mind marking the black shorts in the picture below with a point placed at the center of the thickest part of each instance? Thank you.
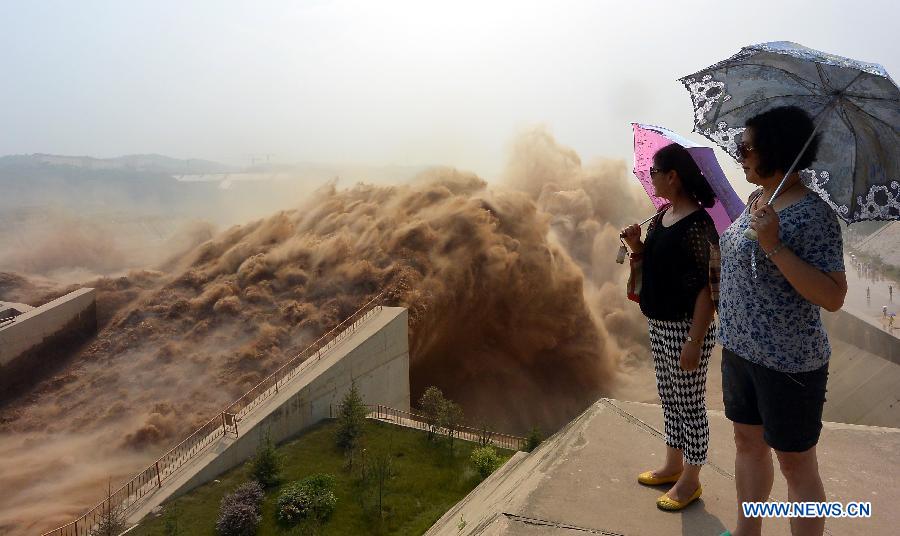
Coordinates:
(787, 405)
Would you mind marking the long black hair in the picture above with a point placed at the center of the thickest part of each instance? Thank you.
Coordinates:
(677, 158)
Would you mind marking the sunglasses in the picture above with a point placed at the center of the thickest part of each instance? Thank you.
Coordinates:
(655, 170)
(744, 149)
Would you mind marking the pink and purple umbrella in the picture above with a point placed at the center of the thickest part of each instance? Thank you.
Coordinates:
(648, 139)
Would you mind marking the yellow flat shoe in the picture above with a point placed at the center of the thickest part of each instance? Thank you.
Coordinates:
(646, 478)
(669, 504)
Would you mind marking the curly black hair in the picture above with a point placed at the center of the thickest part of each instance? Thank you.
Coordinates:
(779, 135)
(677, 158)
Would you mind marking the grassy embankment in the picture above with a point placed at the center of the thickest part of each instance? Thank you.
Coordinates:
(427, 483)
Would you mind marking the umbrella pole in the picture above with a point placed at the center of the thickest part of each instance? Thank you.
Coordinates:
(750, 233)
(643, 222)
(648, 219)
(803, 150)
(620, 257)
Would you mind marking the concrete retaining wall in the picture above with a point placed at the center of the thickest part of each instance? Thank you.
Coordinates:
(38, 341)
(376, 357)
(33, 327)
(864, 335)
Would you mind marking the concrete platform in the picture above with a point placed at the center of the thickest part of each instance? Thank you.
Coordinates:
(583, 481)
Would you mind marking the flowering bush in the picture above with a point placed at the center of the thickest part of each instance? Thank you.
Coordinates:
(311, 498)
(239, 511)
(249, 493)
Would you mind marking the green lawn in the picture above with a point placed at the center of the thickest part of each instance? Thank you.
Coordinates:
(428, 482)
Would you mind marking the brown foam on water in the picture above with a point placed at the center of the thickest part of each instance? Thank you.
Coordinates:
(516, 307)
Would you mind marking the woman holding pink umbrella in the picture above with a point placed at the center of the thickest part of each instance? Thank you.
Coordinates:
(676, 298)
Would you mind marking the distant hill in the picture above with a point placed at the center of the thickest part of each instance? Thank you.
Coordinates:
(160, 185)
(135, 162)
(74, 181)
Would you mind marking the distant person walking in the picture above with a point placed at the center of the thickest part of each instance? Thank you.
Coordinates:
(868, 296)
(676, 298)
(775, 350)
(891, 293)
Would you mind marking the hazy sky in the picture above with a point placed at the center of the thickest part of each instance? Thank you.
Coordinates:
(382, 82)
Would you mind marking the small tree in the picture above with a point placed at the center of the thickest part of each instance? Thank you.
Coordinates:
(451, 418)
(351, 423)
(112, 518)
(171, 525)
(535, 437)
(266, 464)
(378, 471)
(485, 434)
(432, 406)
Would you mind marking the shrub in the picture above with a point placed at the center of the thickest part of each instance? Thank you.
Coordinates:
(239, 511)
(266, 465)
(535, 437)
(237, 519)
(293, 505)
(249, 493)
(485, 461)
(309, 499)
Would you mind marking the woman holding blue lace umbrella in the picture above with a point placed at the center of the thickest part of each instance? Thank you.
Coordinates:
(774, 347)
(818, 134)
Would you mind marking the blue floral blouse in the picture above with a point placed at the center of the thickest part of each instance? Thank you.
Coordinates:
(761, 317)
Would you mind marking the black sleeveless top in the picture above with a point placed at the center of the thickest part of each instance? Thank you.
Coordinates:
(675, 265)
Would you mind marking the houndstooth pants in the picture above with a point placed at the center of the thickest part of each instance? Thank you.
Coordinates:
(683, 392)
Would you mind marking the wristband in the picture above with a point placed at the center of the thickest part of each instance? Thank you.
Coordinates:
(775, 250)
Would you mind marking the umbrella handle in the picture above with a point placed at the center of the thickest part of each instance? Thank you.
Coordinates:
(620, 257)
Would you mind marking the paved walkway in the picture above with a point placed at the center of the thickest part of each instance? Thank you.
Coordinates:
(503, 441)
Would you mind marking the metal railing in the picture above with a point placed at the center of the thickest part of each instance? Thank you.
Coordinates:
(312, 354)
(224, 423)
(466, 433)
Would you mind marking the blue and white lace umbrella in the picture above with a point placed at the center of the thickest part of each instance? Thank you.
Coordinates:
(855, 106)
